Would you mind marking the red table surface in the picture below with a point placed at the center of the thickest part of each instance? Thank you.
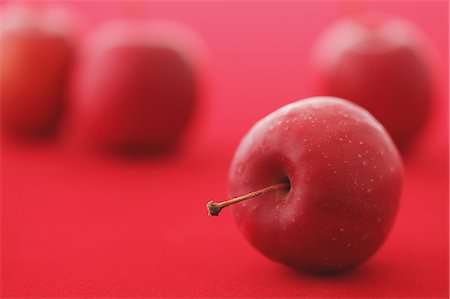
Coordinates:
(76, 224)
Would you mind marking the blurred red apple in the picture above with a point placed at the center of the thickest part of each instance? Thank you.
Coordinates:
(381, 64)
(36, 52)
(136, 87)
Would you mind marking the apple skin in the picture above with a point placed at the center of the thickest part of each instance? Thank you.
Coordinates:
(345, 176)
(36, 54)
(383, 65)
(136, 88)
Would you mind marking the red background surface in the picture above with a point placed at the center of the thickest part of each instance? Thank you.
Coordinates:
(76, 224)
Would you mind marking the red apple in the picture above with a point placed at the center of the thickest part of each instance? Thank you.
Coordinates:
(329, 179)
(36, 52)
(136, 88)
(381, 64)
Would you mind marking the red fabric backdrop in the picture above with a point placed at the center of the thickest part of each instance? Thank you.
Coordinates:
(76, 224)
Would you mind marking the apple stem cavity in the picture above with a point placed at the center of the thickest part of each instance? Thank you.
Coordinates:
(214, 208)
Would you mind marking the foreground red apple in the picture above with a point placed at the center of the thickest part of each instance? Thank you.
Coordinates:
(136, 88)
(382, 65)
(327, 178)
(36, 52)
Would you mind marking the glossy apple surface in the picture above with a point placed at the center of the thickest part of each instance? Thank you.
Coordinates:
(36, 52)
(383, 65)
(345, 177)
(136, 88)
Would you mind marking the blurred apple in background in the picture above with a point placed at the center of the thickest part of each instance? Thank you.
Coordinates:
(136, 87)
(36, 52)
(382, 64)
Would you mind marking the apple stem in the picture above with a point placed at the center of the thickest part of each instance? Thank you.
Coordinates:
(214, 208)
